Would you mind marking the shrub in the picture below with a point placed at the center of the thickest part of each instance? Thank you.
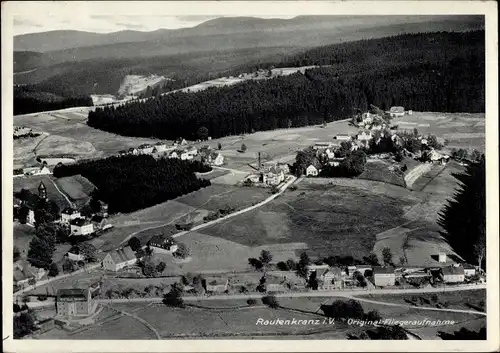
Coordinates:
(255, 263)
(271, 301)
(243, 147)
(53, 270)
(251, 301)
(282, 266)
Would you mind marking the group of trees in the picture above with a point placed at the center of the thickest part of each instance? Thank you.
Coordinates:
(463, 219)
(407, 70)
(128, 183)
(31, 100)
(262, 262)
(351, 309)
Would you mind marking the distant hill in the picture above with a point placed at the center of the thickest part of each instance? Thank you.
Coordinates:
(297, 29)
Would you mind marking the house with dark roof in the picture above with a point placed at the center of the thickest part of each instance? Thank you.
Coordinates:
(331, 278)
(118, 259)
(69, 214)
(162, 244)
(384, 276)
(80, 226)
(145, 149)
(453, 274)
(74, 302)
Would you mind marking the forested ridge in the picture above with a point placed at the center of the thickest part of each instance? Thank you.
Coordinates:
(129, 183)
(30, 100)
(424, 72)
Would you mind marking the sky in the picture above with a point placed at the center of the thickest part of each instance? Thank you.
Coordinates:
(103, 17)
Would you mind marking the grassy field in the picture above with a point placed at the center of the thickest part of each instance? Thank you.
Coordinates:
(327, 218)
(77, 188)
(379, 171)
(464, 300)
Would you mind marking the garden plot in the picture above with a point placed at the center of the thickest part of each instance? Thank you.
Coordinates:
(77, 188)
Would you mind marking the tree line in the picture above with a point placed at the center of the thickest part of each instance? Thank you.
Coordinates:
(424, 72)
(31, 100)
(129, 183)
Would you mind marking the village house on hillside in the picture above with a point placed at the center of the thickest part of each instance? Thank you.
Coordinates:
(453, 274)
(311, 171)
(162, 244)
(69, 214)
(20, 131)
(118, 259)
(331, 278)
(76, 301)
(215, 284)
(384, 276)
(41, 170)
(80, 226)
(24, 272)
(364, 136)
(133, 151)
(159, 147)
(343, 137)
(145, 149)
(397, 111)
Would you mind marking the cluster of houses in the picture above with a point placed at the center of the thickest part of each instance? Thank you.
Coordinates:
(70, 217)
(270, 174)
(21, 131)
(386, 276)
(179, 150)
(31, 171)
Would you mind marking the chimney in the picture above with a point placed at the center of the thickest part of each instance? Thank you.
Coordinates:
(442, 257)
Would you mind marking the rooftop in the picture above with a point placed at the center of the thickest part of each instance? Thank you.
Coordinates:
(122, 255)
(453, 270)
(77, 293)
(383, 270)
(70, 211)
(397, 110)
(79, 222)
(161, 239)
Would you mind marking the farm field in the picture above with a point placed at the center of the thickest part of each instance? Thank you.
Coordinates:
(327, 218)
(379, 171)
(455, 300)
(77, 188)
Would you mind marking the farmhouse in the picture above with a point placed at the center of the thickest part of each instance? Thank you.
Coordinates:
(343, 137)
(81, 226)
(215, 284)
(331, 278)
(75, 255)
(145, 149)
(192, 151)
(162, 244)
(69, 214)
(133, 151)
(118, 259)
(469, 270)
(364, 136)
(160, 147)
(275, 176)
(397, 111)
(24, 271)
(453, 274)
(216, 158)
(311, 171)
(384, 276)
(74, 302)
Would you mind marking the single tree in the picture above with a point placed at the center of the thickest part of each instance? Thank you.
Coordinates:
(174, 296)
(134, 243)
(24, 324)
(22, 214)
(203, 133)
(219, 146)
(243, 147)
(182, 251)
(161, 267)
(265, 257)
(53, 270)
(387, 256)
(282, 266)
(271, 301)
(41, 251)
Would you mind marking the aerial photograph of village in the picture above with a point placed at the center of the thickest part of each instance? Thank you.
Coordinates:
(259, 177)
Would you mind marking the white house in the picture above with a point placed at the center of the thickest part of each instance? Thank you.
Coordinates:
(453, 274)
(397, 111)
(75, 256)
(118, 259)
(133, 151)
(160, 147)
(275, 176)
(364, 136)
(469, 270)
(184, 155)
(145, 149)
(69, 214)
(384, 276)
(30, 219)
(311, 171)
(173, 154)
(42, 171)
(343, 137)
(80, 226)
(216, 158)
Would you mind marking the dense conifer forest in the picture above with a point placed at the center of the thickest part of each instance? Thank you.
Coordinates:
(129, 183)
(423, 72)
(30, 100)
